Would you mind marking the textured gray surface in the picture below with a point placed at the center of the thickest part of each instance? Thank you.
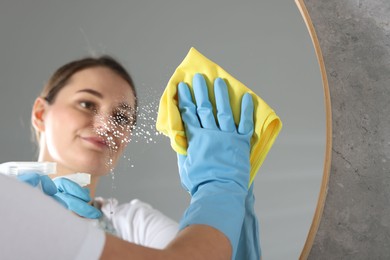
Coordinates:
(355, 39)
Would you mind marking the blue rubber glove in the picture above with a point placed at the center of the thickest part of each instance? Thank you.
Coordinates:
(76, 198)
(249, 244)
(46, 184)
(216, 169)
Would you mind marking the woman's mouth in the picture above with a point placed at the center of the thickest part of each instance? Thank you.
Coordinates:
(96, 141)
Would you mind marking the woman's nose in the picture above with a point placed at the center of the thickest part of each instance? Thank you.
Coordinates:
(103, 123)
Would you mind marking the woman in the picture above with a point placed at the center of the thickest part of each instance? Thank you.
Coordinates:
(83, 121)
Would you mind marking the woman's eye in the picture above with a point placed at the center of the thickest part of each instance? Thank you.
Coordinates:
(122, 119)
(88, 105)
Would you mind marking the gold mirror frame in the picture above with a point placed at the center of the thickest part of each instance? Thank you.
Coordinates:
(328, 148)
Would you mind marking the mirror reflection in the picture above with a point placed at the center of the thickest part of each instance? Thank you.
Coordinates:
(263, 44)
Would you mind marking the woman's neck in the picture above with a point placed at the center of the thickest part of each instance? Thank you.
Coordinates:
(92, 186)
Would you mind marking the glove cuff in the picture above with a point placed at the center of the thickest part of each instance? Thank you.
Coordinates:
(221, 206)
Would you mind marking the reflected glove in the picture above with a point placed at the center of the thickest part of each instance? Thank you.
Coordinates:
(216, 169)
(76, 198)
(46, 184)
(249, 244)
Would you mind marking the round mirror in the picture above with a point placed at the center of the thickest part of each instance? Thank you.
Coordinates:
(264, 44)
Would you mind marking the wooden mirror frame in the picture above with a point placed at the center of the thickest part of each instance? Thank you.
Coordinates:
(328, 148)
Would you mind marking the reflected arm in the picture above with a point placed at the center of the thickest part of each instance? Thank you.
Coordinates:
(80, 240)
(193, 242)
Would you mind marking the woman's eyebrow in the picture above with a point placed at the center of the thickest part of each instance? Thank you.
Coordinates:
(92, 92)
(125, 106)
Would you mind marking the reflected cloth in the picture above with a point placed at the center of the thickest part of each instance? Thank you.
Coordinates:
(266, 123)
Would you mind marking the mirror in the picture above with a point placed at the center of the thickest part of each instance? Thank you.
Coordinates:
(264, 44)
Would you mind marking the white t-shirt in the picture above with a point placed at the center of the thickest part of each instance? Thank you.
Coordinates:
(136, 222)
(34, 226)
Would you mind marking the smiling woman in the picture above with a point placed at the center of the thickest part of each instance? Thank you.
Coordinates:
(264, 44)
(91, 117)
(83, 120)
(90, 97)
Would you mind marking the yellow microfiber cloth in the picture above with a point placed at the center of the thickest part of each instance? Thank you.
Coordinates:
(266, 123)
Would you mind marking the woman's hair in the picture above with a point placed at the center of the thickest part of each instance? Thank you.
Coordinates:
(63, 74)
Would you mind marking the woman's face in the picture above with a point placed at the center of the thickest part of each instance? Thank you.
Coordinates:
(89, 124)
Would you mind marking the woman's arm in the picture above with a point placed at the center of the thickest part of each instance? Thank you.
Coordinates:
(194, 242)
(34, 226)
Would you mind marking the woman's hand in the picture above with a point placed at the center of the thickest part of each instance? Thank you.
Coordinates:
(76, 198)
(47, 185)
(215, 170)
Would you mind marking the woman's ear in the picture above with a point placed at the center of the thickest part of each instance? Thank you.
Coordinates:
(38, 114)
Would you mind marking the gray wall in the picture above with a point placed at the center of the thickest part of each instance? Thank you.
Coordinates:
(355, 40)
(264, 44)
